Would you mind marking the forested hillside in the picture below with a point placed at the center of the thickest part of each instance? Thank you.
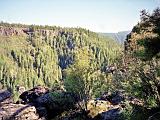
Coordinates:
(77, 74)
(32, 55)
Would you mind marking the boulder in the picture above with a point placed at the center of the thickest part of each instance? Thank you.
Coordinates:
(56, 103)
(115, 98)
(18, 112)
(30, 96)
(48, 104)
(112, 114)
(96, 107)
(4, 94)
(11, 111)
(38, 97)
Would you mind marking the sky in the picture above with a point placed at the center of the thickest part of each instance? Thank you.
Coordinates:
(95, 15)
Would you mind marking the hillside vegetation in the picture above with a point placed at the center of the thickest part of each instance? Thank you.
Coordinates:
(89, 76)
(32, 55)
(141, 56)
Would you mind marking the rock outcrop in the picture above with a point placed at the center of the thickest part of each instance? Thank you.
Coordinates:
(110, 106)
(4, 94)
(18, 112)
(104, 110)
(114, 98)
(112, 114)
(48, 104)
(24, 31)
(10, 31)
(38, 103)
(30, 96)
(12, 111)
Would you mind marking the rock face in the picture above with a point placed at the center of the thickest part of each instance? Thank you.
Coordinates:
(18, 112)
(112, 114)
(115, 98)
(28, 108)
(38, 103)
(103, 110)
(97, 107)
(11, 111)
(4, 94)
(52, 104)
(30, 96)
(23, 31)
(10, 31)
(38, 97)
(114, 103)
(48, 104)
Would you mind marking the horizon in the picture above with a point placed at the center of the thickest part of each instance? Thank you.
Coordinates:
(106, 18)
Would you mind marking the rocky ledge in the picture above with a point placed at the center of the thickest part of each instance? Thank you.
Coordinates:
(23, 31)
(40, 103)
(11, 111)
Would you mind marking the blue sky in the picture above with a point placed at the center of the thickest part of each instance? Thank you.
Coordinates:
(96, 15)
